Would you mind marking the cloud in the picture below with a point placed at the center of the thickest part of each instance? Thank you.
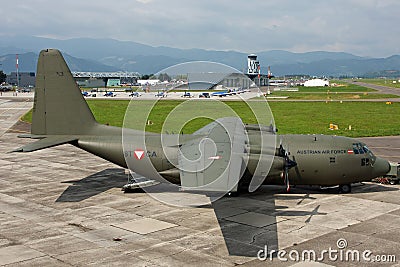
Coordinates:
(363, 27)
(144, 1)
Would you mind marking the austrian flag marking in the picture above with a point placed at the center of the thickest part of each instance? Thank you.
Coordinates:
(350, 151)
(139, 154)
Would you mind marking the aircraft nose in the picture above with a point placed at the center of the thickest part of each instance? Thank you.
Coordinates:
(381, 167)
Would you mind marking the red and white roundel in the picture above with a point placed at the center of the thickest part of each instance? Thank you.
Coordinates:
(139, 154)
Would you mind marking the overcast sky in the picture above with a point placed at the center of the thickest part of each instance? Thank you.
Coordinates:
(361, 27)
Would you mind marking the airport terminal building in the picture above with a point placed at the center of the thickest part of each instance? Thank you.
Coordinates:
(105, 79)
(211, 81)
(25, 79)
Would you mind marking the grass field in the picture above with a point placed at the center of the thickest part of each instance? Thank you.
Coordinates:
(365, 118)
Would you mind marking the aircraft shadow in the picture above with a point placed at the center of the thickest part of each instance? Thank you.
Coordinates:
(248, 222)
(356, 188)
(93, 185)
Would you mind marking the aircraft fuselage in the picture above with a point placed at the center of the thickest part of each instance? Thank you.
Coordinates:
(321, 160)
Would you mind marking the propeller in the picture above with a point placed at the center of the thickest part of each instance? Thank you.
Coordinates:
(282, 152)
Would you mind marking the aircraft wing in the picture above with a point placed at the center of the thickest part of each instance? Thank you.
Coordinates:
(46, 142)
(215, 161)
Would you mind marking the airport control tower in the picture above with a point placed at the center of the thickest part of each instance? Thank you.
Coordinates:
(254, 71)
(253, 66)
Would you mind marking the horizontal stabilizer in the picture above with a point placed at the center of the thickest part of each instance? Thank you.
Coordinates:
(46, 142)
(32, 136)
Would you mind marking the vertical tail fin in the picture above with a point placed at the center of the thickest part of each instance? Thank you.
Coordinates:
(59, 107)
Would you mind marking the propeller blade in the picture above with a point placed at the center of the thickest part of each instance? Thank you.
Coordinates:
(287, 166)
(287, 183)
(297, 169)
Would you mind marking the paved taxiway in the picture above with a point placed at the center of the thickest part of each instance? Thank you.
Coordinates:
(253, 95)
(380, 88)
(64, 207)
(144, 96)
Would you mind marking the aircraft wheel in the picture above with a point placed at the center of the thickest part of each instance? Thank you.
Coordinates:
(232, 194)
(393, 182)
(345, 188)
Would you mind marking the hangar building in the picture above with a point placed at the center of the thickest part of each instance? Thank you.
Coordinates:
(213, 80)
(316, 83)
(26, 79)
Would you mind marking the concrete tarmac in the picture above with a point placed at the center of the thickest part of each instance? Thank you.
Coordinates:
(64, 207)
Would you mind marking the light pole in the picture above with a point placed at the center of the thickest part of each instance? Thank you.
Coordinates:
(1, 69)
(1, 89)
(17, 71)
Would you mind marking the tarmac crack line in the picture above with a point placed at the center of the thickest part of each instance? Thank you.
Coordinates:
(297, 229)
(254, 237)
(141, 205)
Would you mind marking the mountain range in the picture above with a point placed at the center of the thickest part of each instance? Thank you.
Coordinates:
(87, 54)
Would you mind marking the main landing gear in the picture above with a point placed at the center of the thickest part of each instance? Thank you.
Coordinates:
(345, 188)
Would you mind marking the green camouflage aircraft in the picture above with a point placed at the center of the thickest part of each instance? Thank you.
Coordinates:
(221, 157)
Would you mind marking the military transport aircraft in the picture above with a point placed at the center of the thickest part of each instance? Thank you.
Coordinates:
(225, 155)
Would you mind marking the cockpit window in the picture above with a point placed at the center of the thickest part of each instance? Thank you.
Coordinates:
(355, 149)
(369, 152)
(358, 148)
(366, 150)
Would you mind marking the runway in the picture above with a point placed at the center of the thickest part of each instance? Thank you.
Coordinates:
(380, 88)
(64, 207)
